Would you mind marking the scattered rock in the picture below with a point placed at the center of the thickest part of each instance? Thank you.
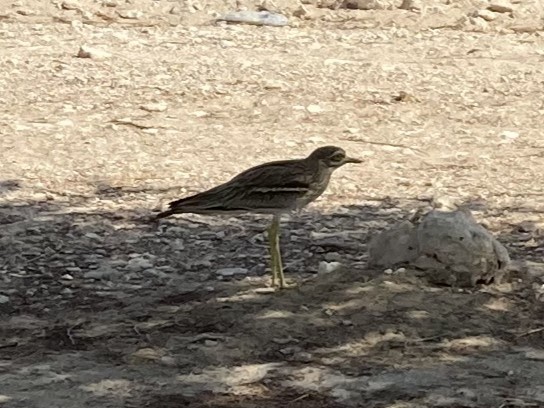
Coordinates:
(139, 264)
(500, 7)
(313, 108)
(394, 246)
(487, 15)
(509, 135)
(102, 273)
(67, 277)
(367, 4)
(89, 52)
(261, 18)
(412, 5)
(228, 272)
(4, 299)
(70, 5)
(328, 267)
(92, 235)
(130, 14)
(155, 107)
(451, 246)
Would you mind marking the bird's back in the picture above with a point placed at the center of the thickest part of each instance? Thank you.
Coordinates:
(268, 188)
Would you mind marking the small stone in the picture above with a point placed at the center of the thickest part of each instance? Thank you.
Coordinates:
(290, 350)
(102, 273)
(347, 323)
(227, 272)
(66, 291)
(265, 291)
(70, 5)
(500, 7)
(73, 269)
(328, 267)
(314, 108)
(509, 135)
(155, 107)
(4, 299)
(67, 277)
(487, 15)
(479, 23)
(303, 357)
(130, 14)
(412, 5)
(139, 264)
(92, 235)
(93, 53)
(400, 270)
(388, 271)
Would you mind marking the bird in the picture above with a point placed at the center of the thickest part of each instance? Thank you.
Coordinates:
(272, 188)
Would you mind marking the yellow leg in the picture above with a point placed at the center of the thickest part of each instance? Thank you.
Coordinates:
(272, 232)
(277, 271)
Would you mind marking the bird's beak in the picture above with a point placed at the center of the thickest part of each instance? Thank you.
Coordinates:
(352, 160)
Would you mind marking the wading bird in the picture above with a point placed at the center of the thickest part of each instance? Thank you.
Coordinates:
(271, 188)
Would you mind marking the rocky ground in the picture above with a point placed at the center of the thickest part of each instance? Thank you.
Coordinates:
(110, 109)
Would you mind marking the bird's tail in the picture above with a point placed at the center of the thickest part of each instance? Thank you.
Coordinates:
(164, 214)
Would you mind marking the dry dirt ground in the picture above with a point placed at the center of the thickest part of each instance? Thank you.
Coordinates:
(102, 308)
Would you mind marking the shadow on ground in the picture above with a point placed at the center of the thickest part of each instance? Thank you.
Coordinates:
(107, 308)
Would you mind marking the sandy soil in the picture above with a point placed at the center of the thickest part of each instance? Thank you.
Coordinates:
(101, 308)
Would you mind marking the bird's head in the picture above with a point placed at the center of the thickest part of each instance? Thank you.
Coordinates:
(332, 157)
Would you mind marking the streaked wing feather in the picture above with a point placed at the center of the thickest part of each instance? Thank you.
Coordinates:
(268, 187)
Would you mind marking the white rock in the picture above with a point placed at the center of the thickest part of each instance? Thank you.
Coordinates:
(388, 271)
(93, 53)
(509, 135)
(67, 276)
(328, 267)
(313, 108)
(130, 14)
(225, 272)
(4, 299)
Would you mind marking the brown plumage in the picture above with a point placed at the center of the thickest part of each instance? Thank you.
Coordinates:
(270, 188)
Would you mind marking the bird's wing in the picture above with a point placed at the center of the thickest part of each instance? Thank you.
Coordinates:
(267, 187)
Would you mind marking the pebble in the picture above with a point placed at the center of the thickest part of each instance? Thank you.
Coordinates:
(487, 15)
(155, 107)
(400, 270)
(70, 5)
(314, 108)
(92, 235)
(67, 276)
(226, 272)
(500, 7)
(255, 18)
(303, 357)
(73, 269)
(388, 271)
(509, 135)
(138, 264)
(102, 273)
(93, 53)
(4, 299)
(130, 14)
(328, 267)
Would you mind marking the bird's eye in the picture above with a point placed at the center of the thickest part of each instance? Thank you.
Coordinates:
(338, 157)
